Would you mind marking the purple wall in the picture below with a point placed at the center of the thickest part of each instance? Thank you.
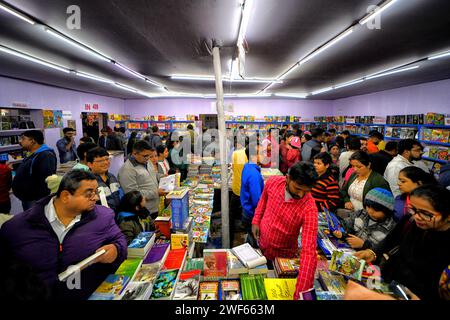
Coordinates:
(256, 107)
(422, 98)
(38, 96)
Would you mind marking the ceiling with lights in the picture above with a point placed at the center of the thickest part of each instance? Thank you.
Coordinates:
(299, 49)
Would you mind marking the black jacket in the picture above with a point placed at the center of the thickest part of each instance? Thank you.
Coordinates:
(29, 183)
(112, 143)
(422, 257)
(380, 161)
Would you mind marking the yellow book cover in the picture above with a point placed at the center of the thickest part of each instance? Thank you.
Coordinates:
(280, 289)
(179, 241)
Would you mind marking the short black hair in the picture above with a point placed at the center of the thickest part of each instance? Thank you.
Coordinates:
(122, 129)
(241, 127)
(437, 195)
(190, 127)
(340, 141)
(362, 157)
(353, 143)
(346, 132)
(325, 157)
(303, 173)
(332, 131)
(83, 148)
(316, 132)
(71, 181)
(130, 201)
(362, 139)
(97, 152)
(36, 135)
(69, 129)
(141, 145)
(251, 146)
(160, 149)
(391, 146)
(87, 139)
(155, 129)
(407, 145)
(376, 134)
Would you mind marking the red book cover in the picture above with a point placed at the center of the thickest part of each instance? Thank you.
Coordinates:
(215, 263)
(175, 259)
(164, 225)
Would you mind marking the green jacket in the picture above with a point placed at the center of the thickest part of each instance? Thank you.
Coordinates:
(375, 180)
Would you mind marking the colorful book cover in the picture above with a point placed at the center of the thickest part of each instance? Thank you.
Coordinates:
(442, 153)
(427, 134)
(209, 290)
(129, 267)
(252, 287)
(113, 285)
(137, 291)
(230, 290)
(164, 225)
(165, 284)
(194, 264)
(235, 266)
(175, 259)
(215, 263)
(141, 240)
(156, 253)
(148, 272)
(57, 118)
(347, 264)
(188, 285)
(179, 241)
(334, 283)
(280, 289)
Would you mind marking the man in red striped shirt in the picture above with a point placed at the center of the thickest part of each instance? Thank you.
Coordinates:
(285, 207)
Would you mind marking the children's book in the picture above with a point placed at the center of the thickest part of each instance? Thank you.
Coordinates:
(188, 285)
(280, 289)
(209, 290)
(129, 267)
(333, 222)
(230, 290)
(114, 284)
(147, 272)
(179, 241)
(137, 291)
(164, 285)
(140, 246)
(215, 263)
(334, 283)
(347, 264)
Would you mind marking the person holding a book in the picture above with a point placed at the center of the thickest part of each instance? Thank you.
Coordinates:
(251, 189)
(138, 175)
(416, 251)
(134, 217)
(362, 180)
(285, 207)
(67, 228)
(366, 228)
(409, 179)
(326, 190)
(108, 185)
(409, 150)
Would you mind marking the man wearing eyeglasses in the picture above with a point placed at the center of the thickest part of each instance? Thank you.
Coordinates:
(138, 175)
(108, 185)
(409, 150)
(61, 230)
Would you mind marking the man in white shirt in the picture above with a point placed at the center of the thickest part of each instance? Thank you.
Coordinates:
(409, 150)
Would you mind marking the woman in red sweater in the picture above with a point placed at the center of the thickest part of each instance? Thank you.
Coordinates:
(5, 186)
(293, 154)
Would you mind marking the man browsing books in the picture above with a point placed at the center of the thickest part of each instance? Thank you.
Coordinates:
(285, 207)
(62, 230)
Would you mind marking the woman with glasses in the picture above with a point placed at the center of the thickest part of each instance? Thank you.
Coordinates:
(417, 250)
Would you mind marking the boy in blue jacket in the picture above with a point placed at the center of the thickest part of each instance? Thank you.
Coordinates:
(251, 189)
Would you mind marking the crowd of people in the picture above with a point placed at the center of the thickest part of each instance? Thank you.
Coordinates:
(388, 204)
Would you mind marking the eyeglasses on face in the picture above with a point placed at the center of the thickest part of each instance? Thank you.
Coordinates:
(91, 194)
(427, 216)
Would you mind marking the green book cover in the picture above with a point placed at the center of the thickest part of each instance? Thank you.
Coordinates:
(252, 287)
(129, 267)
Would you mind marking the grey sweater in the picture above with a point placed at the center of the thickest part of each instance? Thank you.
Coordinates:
(134, 176)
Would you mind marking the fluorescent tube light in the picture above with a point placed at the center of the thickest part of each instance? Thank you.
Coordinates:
(121, 86)
(89, 76)
(246, 11)
(225, 79)
(292, 95)
(386, 73)
(292, 69)
(33, 59)
(16, 13)
(154, 83)
(322, 90)
(76, 44)
(439, 55)
(327, 45)
(377, 11)
(349, 83)
(253, 95)
(130, 71)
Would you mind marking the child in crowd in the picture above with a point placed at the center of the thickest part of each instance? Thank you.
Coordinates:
(134, 217)
(293, 155)
(366, 228)
(409, 179)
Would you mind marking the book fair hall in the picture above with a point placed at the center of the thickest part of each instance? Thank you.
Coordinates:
(224, 150)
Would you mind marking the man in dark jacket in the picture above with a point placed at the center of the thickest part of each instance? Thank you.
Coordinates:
(109, 141)
(381, 158)
(61, 230)
(314, 146)
(29, 183)
(108, 185)
(154, 139)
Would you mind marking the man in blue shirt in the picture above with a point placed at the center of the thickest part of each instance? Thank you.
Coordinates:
(66, 146)
(251, 189)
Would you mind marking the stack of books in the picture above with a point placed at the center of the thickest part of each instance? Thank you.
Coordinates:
(286, 268)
